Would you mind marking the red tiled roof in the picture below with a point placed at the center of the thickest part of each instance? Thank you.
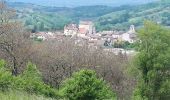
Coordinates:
(82, 30)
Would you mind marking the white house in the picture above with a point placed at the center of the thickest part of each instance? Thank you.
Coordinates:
(70, 30)
(130, 35)
(126, 37)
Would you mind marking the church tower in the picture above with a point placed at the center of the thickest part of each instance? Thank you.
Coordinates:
(132, 29)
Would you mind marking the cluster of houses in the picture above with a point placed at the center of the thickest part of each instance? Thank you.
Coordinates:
(84, 28)
(85, 32)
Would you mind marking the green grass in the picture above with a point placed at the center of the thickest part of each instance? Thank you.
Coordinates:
(15, 95)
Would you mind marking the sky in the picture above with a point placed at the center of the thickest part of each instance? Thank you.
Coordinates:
(73, 3)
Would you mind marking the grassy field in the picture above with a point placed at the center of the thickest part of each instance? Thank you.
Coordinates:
(14, 95)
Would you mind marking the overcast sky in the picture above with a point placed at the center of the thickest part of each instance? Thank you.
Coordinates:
(72, 3)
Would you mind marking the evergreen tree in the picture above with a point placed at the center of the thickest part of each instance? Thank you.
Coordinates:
(84, 85)
(32, 73)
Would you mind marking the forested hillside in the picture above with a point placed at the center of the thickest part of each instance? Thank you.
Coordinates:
(158, 12)
(41, 18)
(53, 18)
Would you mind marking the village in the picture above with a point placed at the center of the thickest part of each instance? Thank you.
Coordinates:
(85, 33)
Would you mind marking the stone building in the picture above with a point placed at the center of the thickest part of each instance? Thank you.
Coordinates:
(86, 27)
(71, 30)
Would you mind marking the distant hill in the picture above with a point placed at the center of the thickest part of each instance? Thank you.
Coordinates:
(54, 18)
(158, 12)
(76, 3)
(42, 18)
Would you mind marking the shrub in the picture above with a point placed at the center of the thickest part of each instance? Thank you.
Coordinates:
(6, 78)
(84, 85)
(21, 95)
(32, 82)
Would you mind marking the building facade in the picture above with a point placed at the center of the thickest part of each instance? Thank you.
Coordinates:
(70, 30)
(86, 27)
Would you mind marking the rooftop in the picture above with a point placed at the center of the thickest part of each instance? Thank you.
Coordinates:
(71, 26)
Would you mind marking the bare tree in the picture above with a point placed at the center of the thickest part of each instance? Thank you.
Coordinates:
(57, 60)
(14, 42)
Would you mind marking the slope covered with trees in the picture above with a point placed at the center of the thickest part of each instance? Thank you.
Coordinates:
(120, 20)
(41, 18)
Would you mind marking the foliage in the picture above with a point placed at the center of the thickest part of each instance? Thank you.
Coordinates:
(30, 81)
(84, 85)
(153, 62)
(31, 73)
(122, 19)
(37, 39)
(16, 95)
(123, 44)
(105, 18)
(5, 77)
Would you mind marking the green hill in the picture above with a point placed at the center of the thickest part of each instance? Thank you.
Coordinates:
(41, 18)
(121, 20)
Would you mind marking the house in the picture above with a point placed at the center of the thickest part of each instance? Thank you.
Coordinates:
(117, 35)
(44, 35)
(106, 33)
(83, 31)
(70, 30)
(126, 37)
(86, 27)
(94, 36)
(129, 36)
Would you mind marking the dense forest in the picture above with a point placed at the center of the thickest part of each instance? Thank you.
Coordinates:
(41, 18)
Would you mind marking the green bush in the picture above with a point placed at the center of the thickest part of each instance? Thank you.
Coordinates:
(21, 95)
(164, 91)
(32, 82)
(124, 44)
(6, 78)
(84, 85)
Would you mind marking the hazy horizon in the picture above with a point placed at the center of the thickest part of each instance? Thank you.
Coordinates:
(75, 3)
